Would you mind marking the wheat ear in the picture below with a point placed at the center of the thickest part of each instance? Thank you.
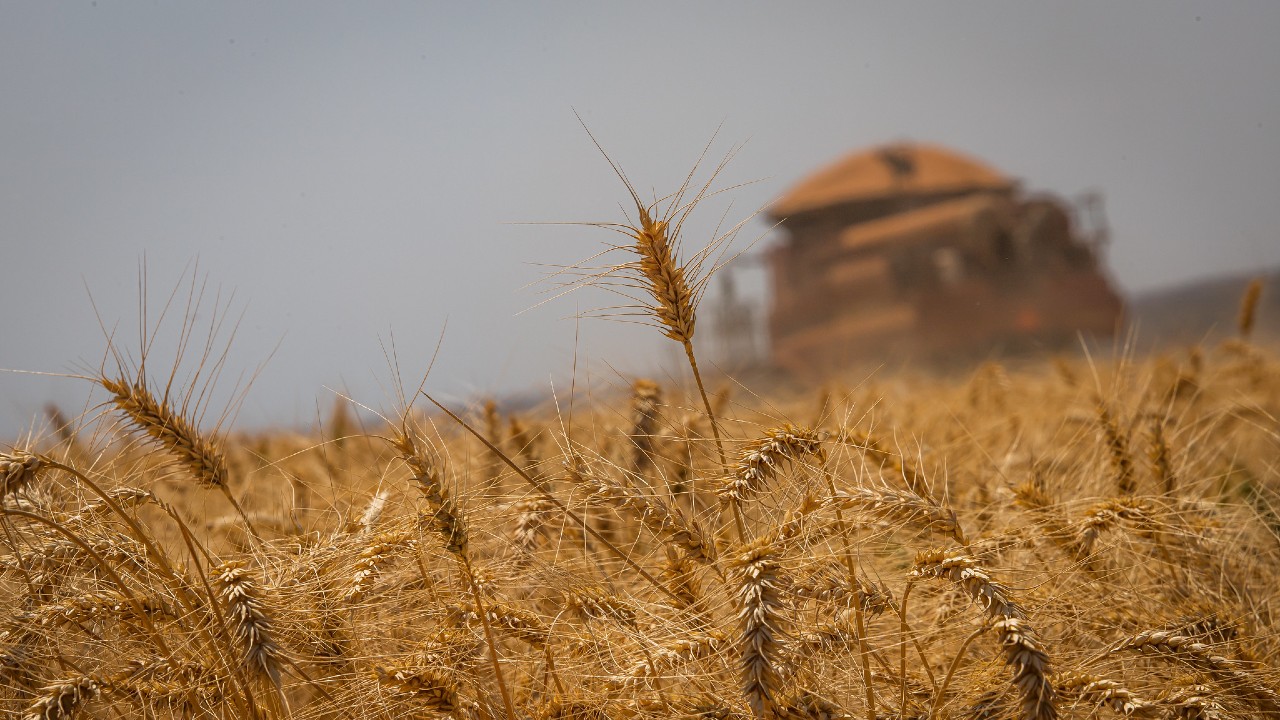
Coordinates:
(1161, 457)
(1226, 672)
(1022, 652)
(165, 683)
(1103, 517)
(61, 701)
(250, 624)
(1102, 692)
(434, 688)
(519, 623)
(669, 657)
(1118, 450)
(17, 470)
(902, 506)
(371, 562)
(447, 520)
(674, 302)
(1249, 308)
(201, 456)
(646, 396)
(445, 516)
(761, 459)
(760, 617)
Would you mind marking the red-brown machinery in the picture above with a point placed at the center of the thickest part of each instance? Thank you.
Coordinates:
(916, 250)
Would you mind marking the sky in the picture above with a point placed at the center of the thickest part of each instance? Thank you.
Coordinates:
(348, 178)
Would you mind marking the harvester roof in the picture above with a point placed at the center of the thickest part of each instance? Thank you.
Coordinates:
(889, 171)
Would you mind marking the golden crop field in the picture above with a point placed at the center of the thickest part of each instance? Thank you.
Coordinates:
(1074, 537)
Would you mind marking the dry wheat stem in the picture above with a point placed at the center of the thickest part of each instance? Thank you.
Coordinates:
(941, 694)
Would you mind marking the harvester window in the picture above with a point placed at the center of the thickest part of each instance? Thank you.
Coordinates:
(948, 263)
(1006, 251)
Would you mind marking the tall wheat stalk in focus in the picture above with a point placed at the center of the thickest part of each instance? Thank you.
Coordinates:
(662, 287)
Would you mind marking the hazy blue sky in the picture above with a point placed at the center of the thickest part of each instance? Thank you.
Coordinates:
(349, 169)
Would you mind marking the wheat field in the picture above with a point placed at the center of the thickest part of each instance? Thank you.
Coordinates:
(1071, 537)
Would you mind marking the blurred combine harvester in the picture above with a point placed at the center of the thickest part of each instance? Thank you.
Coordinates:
(916, 250)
